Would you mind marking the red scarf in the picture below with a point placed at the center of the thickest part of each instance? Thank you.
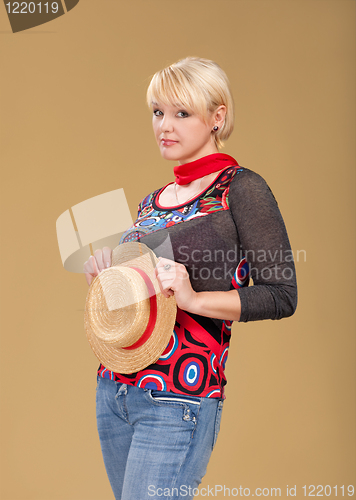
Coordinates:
(188, 172)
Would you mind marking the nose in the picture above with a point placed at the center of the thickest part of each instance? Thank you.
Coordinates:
(166, 124)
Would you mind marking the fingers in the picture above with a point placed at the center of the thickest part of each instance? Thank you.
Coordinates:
(167, 272)
(107, 256)
(99, 260)
(168, 269)
(96, 263)
(89, 278)
(164, 279)
(169, 275)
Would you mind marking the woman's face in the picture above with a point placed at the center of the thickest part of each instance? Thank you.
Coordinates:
(181, 135)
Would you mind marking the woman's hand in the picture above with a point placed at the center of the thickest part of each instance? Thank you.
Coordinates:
(173, 279)
(96, 263)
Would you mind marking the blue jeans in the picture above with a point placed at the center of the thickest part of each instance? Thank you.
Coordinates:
(153, 440)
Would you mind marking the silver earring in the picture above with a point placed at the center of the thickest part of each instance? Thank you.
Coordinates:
(215, 128)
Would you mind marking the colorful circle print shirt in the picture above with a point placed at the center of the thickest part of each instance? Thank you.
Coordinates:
(229, 233)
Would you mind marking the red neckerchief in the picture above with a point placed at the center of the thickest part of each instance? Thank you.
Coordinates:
(188, 172)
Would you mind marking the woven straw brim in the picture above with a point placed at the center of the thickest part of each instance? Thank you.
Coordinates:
(107, 314)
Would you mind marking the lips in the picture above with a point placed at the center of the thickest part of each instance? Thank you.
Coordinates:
(168, 142)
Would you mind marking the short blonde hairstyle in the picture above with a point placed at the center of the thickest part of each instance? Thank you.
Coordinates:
(199, 85)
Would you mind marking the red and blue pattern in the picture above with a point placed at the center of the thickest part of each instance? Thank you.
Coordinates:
(241, 274)
(152, 217)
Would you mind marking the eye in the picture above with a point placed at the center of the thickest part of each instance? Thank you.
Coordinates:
(182, 114)
(157, 112)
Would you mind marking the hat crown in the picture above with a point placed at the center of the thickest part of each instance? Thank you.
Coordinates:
(120, 306)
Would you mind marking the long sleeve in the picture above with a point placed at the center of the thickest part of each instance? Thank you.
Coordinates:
(265, 244)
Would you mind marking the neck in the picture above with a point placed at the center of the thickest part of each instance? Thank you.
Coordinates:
(211, 151)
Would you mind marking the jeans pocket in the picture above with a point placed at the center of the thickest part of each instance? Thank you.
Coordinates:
(170, 397)
(189, 405)
(217, 421)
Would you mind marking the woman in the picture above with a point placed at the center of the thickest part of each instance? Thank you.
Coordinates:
(213, 228)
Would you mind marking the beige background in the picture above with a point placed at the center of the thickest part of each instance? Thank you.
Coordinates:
(74, 125)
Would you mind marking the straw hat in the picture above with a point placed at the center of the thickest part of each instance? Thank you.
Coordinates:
(128, 321)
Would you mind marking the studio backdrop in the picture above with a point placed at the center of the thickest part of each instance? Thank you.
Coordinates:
(75, 125)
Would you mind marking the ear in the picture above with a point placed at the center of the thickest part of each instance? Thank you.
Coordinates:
(219, 115)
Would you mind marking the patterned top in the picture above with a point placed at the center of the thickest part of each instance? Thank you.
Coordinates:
(219, 236)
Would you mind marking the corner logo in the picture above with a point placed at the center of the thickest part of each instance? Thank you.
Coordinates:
(90, 225)
(26, 15)
(96, 223)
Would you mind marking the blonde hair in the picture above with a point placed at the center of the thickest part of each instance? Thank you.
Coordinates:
(199, 85)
